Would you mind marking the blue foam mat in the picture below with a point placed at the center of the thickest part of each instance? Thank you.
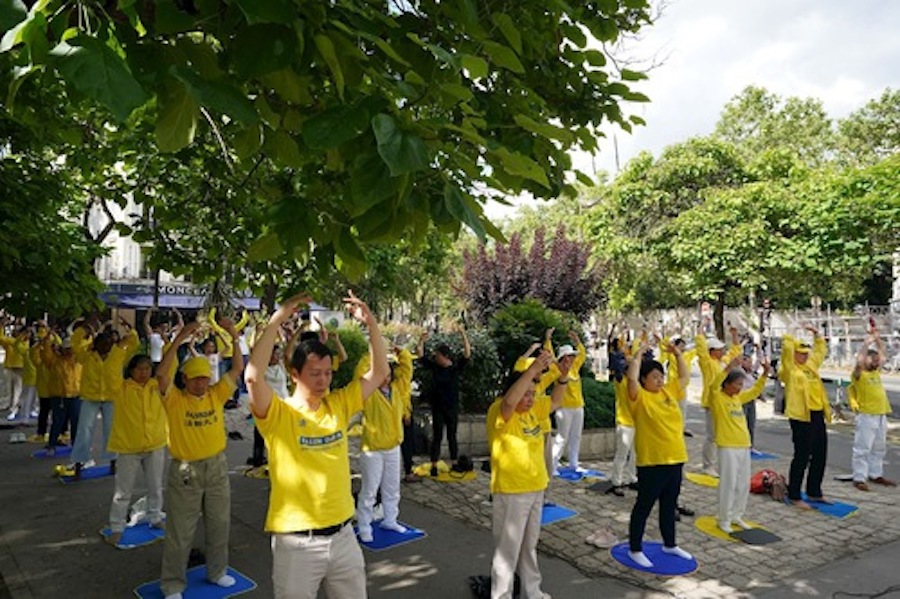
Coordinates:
(198, 587)
(835, 508)
(88, 474)
(136, 536)
(571, 474)
(554, 513)
(762, 455)
(385, 539)
(663, 563)
(61, 451)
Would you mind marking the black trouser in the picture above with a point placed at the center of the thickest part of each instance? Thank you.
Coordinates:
(43, 416)
(259, 449)
(65, 411)
(408, 447)
(655, 482)
(810, 449)
(440, 418)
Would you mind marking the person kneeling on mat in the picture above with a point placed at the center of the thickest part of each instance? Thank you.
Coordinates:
(519, 476)
(733, 440)
(659, 449)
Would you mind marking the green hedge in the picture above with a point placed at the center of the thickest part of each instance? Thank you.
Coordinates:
(599, 403)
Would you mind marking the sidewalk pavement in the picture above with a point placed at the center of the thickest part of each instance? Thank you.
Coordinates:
(49, 545)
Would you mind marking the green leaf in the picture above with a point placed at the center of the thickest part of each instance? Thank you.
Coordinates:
(584, 179)
(266, 247)
(177, 120)
(218, 95)
(461, 210)
(335, 126)
(95, 70)
(477, 66)
(248, 141)
(629, 75)
(509, 30)
(595, 58)
(402, 151)
(544, 129)
(289, 85)
(267, 11)
(370, 183)
(261, 49)
(503, 57)
(522, 166)
(286, 150)
(389, 51)
(171, 19)
(12, 12)
(352, 260)
(458, 92)
(326, 49)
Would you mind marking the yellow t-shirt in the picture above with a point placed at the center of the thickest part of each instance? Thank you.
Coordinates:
(101, 378)
(517, 448)
(64, 374)
(309, 466)
(658, 427)
(870, 393)
(383, 417)
(803, 388)
(671, 362)
(709, 367)
(16, 349)
(574, 395)
(140, 419)
(29, 371)
(623, 407)
(197, 424)
(728, 413)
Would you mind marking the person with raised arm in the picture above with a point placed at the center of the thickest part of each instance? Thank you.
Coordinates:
(712, 357)
(659, 449)
(197, 482)
(310, 504)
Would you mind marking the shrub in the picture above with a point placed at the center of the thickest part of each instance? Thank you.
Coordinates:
(516, 326)
(357, 344)
(480, 381)
(599, 403)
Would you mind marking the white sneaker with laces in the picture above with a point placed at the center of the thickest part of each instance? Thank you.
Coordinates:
(393, 526)
(640, 559)
(677, 552)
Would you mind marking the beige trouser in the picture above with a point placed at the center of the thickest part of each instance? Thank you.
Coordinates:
(193, 488)
(301, 563)
(516, 528)
(709, 443)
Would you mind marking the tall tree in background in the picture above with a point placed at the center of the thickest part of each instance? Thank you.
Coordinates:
(871, 133)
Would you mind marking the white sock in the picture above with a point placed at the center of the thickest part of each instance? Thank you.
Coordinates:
(174, 596)
(226, 581)
(726, 528)
(393, 526)
(742, 524)
(365, 536)
(640, 559)
(677, 551)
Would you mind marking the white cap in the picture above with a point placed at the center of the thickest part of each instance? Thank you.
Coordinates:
(566, 350)
(716, 343)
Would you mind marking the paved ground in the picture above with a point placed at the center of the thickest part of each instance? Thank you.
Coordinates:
(49, 545)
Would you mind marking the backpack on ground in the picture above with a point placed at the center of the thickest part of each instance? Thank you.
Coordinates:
(769, 482)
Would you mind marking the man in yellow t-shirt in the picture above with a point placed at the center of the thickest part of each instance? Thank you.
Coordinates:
(659, 448)
(807, 407)
(519, 476)
(310, 505)
(869, 400)
(198, 473)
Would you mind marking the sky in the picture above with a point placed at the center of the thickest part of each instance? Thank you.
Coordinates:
(841, 52)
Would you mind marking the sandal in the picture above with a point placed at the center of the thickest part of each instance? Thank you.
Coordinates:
(860, 485)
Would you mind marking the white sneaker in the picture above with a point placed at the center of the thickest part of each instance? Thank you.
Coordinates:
(741, 524)
(677, 552)
(226, 580)
(726, 528)
(393, 526)
(175, 596)
(88, 464)
(365, 536)
(11, 416)
(640, 559)
(34, 414)
(580, 470)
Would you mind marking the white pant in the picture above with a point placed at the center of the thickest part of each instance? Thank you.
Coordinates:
(869, 446)
(709, 444)
(569, 422)
(516, 529)
(624, 469)
(302, 563)
(379, 469)
(26, 404)
(14, 385)
(127, 467)
(734, 483)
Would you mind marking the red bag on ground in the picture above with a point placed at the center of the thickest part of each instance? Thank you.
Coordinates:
(769, 482)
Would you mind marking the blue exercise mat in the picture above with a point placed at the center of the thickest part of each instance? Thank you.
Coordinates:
(835, 508)
(61, 451)
(663, 563)
(571, 474)
(200, 588)
(762, 455)
(385, 539)
(136, 536)
(88, 474)
(554, 513)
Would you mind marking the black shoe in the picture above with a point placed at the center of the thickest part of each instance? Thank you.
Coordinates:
(688, 434)
(677, 517)
(112, 466)
(78, 467)
(617, 491)
(685, 511)
(434, 471)
(633, 486)
(231, 404)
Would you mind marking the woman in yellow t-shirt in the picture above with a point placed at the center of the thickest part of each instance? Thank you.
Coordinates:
(310, 504)
(659, 449)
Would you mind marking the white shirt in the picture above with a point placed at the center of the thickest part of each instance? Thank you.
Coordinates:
(156, 347)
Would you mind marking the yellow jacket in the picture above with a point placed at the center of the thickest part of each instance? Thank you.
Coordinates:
(709, 368)
(383, 417)
(670, 361)
(16, 350)
(140, 424)
(574, 396)
(802, 384)
(223, 337)
(64, 373)
(101, 379)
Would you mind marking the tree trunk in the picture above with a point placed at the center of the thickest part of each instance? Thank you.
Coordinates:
(719, 315)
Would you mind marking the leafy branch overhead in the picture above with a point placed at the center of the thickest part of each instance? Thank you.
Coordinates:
(389, 116)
